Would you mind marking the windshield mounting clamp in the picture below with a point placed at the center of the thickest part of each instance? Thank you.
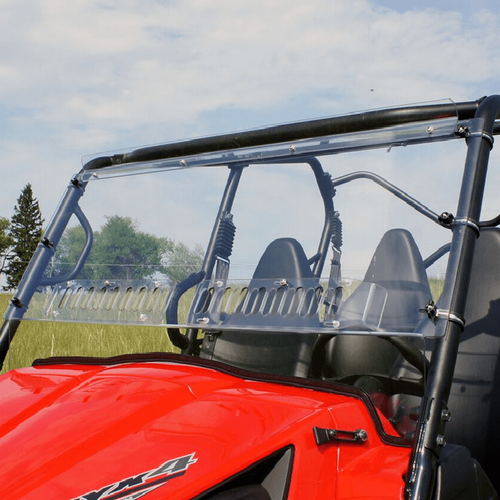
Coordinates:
(469, 223)
(464, 131)
(434, 314)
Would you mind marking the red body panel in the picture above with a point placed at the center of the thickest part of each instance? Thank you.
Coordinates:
(66, 431)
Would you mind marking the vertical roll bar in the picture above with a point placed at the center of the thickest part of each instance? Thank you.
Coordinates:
(33, 276)
(430, 432)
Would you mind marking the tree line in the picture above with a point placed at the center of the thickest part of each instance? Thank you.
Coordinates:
(120, 249)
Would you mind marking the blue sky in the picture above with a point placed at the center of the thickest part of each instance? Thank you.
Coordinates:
(85, 76)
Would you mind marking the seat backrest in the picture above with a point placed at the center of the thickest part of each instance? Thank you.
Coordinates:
(398, 267)
(275, 294)
(474, 400)
(281, 293)
(283, 258)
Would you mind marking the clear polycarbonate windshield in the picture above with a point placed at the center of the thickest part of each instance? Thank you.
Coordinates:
(334, 244)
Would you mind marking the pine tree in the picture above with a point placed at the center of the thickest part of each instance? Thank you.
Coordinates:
(25, 231)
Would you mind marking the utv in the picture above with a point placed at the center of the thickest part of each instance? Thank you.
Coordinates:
(343, 343)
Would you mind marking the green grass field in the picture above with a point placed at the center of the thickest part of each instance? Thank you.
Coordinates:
(36, 339)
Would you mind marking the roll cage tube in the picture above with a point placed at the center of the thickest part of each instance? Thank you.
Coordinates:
(332, 230)
(188, 342)
(412, 202)
(33, 276)
(82, 258)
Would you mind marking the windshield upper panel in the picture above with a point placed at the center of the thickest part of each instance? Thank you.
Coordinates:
(336, 244)
(184, 154)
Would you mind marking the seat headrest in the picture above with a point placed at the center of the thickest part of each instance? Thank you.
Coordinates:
(283, 258)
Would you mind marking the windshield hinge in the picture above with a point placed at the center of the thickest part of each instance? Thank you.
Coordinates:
(324, 436)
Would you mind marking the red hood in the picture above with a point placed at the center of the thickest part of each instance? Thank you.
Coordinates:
(67, 431)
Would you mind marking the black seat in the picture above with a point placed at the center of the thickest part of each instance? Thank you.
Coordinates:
(283, 257)
(281, 293)
(397, 266)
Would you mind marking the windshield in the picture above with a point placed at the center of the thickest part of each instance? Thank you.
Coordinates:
(334, 243)
(347, 255)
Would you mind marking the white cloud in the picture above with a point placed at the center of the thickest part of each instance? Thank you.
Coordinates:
(84, 76)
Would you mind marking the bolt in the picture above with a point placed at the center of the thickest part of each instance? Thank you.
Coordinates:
(430, 129)
(361, 435)
(446, 415)
(446, 218)
(440, 440)
(46, 242)
(17, 302)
